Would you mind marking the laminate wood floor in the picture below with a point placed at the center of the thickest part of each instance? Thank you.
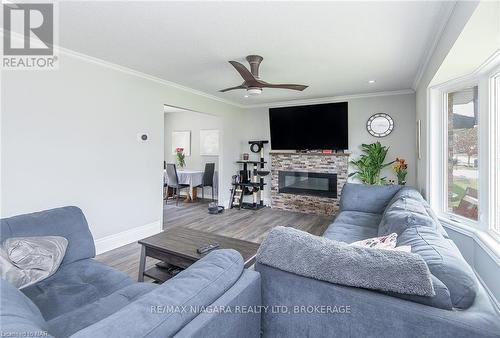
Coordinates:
(248, 225)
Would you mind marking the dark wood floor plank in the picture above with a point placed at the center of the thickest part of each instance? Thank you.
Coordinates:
(243, 224)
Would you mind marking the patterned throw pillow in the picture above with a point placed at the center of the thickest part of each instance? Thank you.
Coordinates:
(387, 242)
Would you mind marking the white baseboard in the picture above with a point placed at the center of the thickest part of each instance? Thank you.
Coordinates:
(114, 241)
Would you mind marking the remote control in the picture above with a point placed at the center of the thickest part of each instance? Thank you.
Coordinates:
(207, 248)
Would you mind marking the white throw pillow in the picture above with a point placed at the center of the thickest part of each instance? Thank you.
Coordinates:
(25, 261)
(387, 242)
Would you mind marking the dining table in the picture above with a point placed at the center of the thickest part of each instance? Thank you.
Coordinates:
(193, 178)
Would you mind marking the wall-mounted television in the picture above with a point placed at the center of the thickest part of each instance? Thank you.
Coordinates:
(313, 127)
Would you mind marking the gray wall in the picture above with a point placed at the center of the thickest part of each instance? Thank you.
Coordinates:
(459, 17)
(401, 141)
(69, 137)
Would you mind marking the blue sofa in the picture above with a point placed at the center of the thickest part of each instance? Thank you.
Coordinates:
(85, 298)
(460, 308)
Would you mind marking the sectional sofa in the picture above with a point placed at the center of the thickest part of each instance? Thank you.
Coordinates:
(460, 308)
(85, 298)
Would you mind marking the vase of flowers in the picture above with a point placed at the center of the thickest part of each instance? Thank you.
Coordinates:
(180, 157)
(400, 167)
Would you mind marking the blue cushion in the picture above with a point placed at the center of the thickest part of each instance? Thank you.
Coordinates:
(68, 323)
(409, 217)
(364, 219)
(444, 261)
(18, 314)
(159, 313)
(75, 285)
(408, 207)
(68, 222)
(349, 233)
(441, 299)
(367, 198)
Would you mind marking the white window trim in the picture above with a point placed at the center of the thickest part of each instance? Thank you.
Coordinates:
(436, 166)
(494, 106)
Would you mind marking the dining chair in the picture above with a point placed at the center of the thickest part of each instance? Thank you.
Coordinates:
(173, 182)
(208, 179)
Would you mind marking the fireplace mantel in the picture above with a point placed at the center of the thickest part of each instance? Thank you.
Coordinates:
(309, 162)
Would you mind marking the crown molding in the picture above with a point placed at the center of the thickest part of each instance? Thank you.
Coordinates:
(445, 12)
(69, 52)
(330, 99)
(142, 75)
(110, 65)
(216, 98)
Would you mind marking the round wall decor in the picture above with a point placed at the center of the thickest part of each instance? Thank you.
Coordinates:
(380, 125)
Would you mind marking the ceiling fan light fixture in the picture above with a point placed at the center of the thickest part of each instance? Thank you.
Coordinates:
(251, 80)
(254, 91)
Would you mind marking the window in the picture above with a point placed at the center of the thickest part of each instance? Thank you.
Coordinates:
(463, 147)
(463, 167)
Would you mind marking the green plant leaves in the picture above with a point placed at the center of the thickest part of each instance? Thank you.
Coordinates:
(370, 163)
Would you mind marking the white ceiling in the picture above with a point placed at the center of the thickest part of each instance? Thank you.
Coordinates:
(334, 47)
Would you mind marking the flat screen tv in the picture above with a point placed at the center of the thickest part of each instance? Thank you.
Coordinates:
(313, 127)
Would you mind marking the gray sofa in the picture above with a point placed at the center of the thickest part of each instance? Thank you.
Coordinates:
(460, 307)
(85, 298)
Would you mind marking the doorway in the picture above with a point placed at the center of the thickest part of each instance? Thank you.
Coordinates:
(192, 147)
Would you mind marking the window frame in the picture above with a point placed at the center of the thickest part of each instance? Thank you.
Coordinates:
(487, 79)
(445, 91)
(494, 106)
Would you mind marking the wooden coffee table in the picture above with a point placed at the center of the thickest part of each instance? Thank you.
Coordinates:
(176, 248)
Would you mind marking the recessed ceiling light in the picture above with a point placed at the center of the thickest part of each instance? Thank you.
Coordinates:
(371, 81)
(246, 95)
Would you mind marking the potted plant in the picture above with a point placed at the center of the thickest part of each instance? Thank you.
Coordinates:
(180, 157)
(400, 167)
(370, 163)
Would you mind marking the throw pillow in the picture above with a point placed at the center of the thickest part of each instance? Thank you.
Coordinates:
(31, 259)
(382, 242)
(387, 242)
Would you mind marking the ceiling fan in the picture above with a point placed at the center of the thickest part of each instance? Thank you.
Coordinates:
(252, 83)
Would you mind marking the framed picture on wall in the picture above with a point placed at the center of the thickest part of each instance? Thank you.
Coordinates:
(209, 142)
(181, 139)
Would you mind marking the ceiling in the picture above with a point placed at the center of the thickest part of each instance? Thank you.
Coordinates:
(334, 47)
(482, 31)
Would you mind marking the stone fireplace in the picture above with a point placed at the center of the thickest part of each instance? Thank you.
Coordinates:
(307, 182)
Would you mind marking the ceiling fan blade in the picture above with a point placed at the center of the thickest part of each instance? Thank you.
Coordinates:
(283, 86)
(244, 72)
(232, 88)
